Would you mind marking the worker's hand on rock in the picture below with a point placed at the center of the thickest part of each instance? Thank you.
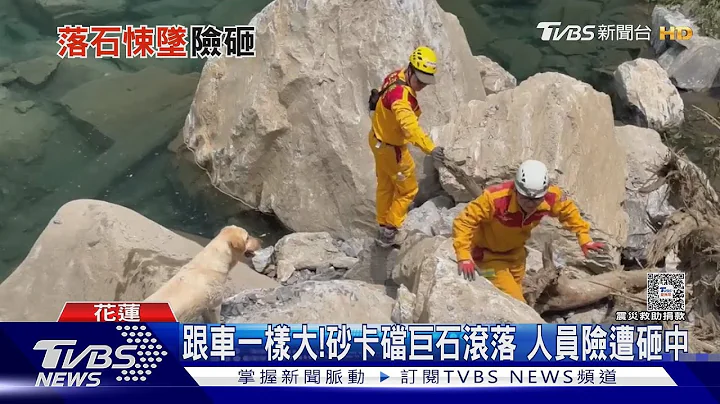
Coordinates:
(467, 269)
(592, 246)
(438, 155)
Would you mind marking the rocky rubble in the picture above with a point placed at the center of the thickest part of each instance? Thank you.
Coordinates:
(337, 301)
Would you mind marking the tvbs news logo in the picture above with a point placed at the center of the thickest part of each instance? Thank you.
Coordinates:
(66, 364)
(552, 32)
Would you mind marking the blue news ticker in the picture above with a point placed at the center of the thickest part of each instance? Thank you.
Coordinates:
(39, 352)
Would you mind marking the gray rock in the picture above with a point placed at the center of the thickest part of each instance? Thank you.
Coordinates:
(24, 106)
(695, 68)
(495, 78)
(422, 218)
(72, 73)
(338, 302)
(532, 120)
(443, 227)
(284, 270)
(36, 72)
(298, 276)
(567, 250)
(352, 247)
(311, 250)
(374, 266)
(8, 76)
(327, 273)
(593, 315)
(287, 112)
(262, 259)
(645, 89)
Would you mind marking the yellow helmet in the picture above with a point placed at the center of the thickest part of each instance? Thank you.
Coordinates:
(424, 61)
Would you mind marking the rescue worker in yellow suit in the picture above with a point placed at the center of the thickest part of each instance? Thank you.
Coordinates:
(489, 235)
(394, 125)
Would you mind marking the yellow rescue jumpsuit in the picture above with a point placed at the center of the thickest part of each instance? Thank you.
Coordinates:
(394, 125)
(492, 231)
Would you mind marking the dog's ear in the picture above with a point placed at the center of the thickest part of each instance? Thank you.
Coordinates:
(236, 237)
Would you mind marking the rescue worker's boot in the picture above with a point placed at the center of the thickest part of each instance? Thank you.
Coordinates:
(390, 237)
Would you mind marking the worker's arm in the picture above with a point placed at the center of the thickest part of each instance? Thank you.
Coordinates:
(410, 125)
(466, 224)
(568, 214)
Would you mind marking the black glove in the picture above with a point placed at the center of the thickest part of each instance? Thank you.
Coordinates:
(438, 154)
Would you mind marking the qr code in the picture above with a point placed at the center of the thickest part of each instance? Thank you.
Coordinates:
(666, 292)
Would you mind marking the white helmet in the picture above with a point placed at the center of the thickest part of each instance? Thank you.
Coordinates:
(531, 179)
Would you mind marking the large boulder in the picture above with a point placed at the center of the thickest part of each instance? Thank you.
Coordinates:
(646, 92)
(696, 67)
(337, 301)
(295, 143)
(97, 251)
(435, 293)
(549, 117)
(645, 152)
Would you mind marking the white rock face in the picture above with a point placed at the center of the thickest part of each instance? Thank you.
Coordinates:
(287, 131)
(549, 117)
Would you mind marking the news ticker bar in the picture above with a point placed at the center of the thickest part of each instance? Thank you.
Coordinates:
(288, 376)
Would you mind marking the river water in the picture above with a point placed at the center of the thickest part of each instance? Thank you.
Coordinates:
(48, 156)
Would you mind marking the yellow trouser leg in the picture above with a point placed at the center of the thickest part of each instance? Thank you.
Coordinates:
(385, 189)
(383, 197)
(508, 272)
(406, 188)
(509, 280)
(396, 182)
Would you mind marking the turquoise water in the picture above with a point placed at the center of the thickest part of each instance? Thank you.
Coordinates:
(48, 156)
